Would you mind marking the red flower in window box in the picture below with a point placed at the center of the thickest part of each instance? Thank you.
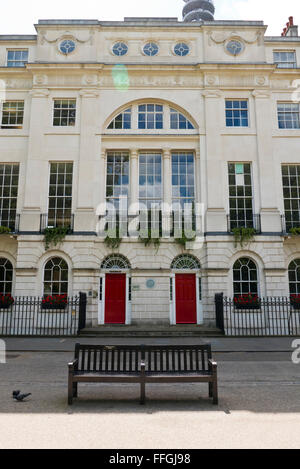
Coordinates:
(55, 302)
(247, 301)
(295, 301)
(6, 300)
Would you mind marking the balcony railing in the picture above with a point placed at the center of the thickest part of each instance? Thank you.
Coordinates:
(288, 225)
(253, 222)
(13, 223)
(65, 222)
(158, 223)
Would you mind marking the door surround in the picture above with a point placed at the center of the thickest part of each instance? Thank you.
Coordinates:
(114, 268)
(198, 296)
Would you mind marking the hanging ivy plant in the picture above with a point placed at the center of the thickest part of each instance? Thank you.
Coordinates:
(112, 243)
(243, 236)
(295, 231)
(184, 240)
(4, 230)
(55, 236)
(113, 239)
(148, 240)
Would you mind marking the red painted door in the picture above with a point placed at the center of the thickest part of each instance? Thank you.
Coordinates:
(186, 301)
(115, 298)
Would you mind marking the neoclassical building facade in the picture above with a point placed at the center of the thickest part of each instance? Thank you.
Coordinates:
(161, 112)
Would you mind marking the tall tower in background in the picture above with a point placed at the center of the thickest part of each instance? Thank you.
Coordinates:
(198, 10)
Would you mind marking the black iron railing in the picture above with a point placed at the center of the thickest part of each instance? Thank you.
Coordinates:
(253, 221)
(270, 316)
(64, 222)
(158, 223)
(288, 225)
(13, 223)
(29, 316)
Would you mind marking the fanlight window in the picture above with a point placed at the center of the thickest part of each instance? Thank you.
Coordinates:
(245, 277)
(56, 277)
(294, 277)
(115, 262)
(6, 276)
(178, 121)
(186, 262)
(151, 116)
(122, 121)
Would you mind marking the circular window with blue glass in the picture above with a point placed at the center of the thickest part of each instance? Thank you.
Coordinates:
(120, 48)
(67, 46)
(234, 47)
(181, 49)
(150, 49)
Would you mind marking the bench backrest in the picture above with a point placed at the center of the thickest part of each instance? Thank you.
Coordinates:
(161, 359)
(174, 358)
(108, 358)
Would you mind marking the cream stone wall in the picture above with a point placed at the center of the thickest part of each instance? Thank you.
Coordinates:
(197, 85)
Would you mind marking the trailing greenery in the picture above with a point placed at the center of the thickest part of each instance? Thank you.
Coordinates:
(113, 239)
(4, 230)
(150, 240)
(295, 231)
(55, 236)
(243, 236)
(183, 240)
(113, 243)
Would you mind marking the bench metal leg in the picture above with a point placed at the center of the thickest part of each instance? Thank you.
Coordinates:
(70, 391)
(75, 389)
(143, 393)
(210, 389)
(70, 387)
(215, 391)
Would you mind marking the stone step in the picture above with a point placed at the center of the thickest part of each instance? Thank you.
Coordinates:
(150, 331)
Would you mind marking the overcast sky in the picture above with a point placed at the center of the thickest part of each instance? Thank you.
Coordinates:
(18, 16)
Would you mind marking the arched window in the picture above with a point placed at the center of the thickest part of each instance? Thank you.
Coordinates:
(6, 276)
(115, 262)
(245, 277)
(185, 261)
(122, 121)
(294, 277)
(179, 121)
(56, 274)
(151, 116)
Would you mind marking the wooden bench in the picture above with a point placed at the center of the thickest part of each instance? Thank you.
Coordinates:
(142, 365)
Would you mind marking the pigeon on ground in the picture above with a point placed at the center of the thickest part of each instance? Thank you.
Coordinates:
(15, 393)
(21, 397)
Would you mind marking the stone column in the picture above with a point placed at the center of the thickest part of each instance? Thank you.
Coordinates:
(88, 169)
(133, 208)
(37, 168)
(134, 181)
(270, 216)
(216, 213)
(167, 192)
(102, 185)
(167, 177)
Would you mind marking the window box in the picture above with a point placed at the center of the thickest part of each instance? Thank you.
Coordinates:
(54, 302)
(247, 302)
(251, 307)
(295, 301)
(5, 306)
(61, 306)
(6, 301)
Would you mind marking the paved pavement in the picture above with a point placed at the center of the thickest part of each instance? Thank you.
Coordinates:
(259, 402)
(219, 344)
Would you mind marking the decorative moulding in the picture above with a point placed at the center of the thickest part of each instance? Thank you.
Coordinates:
(39, 93)
(222, 38)
(66, 35)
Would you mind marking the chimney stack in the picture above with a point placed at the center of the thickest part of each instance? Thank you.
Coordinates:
(291, 30)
